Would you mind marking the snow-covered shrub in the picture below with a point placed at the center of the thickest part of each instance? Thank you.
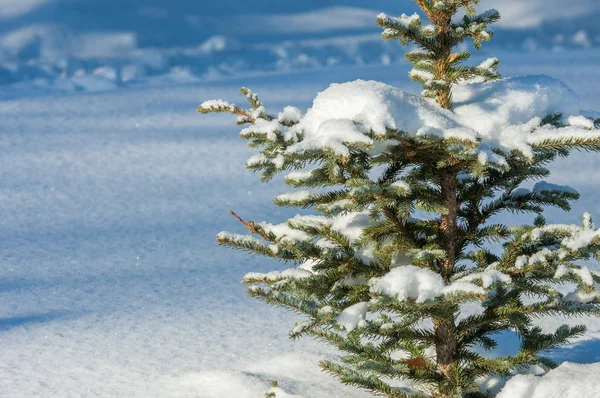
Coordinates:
(396, 258)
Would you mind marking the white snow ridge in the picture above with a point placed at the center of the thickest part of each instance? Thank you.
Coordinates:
(505, 114)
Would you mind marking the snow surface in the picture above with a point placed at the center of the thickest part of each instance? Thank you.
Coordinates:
(112, 283)
(569, 380)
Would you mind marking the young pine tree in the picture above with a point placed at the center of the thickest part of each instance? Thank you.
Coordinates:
(404, 239)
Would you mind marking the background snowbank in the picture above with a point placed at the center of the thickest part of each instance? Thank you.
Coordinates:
(87, 45)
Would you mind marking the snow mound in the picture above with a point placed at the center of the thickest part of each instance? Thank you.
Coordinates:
(501, 114)
(505, 112)
(420, 284)
(410, 282)
(569, 380)
(488, 107)
(351, 224)
(352, 316)
(344, 112)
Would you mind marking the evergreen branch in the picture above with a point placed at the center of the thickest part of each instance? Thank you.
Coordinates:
(534, 341)
(370, 383)
(589, 144)
(283, 300)
(218, 106)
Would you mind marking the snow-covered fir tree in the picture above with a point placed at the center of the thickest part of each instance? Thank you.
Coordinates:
(404, 264)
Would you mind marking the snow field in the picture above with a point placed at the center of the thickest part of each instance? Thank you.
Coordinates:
(112, 284)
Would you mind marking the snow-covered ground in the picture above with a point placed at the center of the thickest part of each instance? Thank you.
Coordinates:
(112, 187)
(567, 381)
(111, 281)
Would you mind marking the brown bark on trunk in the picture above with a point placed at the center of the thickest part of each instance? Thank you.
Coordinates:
(445, 336)
(444, 96)
(449, 226)
(445, 330)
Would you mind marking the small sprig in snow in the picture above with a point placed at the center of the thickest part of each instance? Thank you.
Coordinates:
(544, 186)
(421, 75)
(491, 64)
(246, 239)
(277, 392)
(583, 273)
(401, 186)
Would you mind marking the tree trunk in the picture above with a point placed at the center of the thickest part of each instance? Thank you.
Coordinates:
(445, 330)
(449, 226)
(445, 337)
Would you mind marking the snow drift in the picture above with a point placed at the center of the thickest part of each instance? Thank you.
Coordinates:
(570, 380)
